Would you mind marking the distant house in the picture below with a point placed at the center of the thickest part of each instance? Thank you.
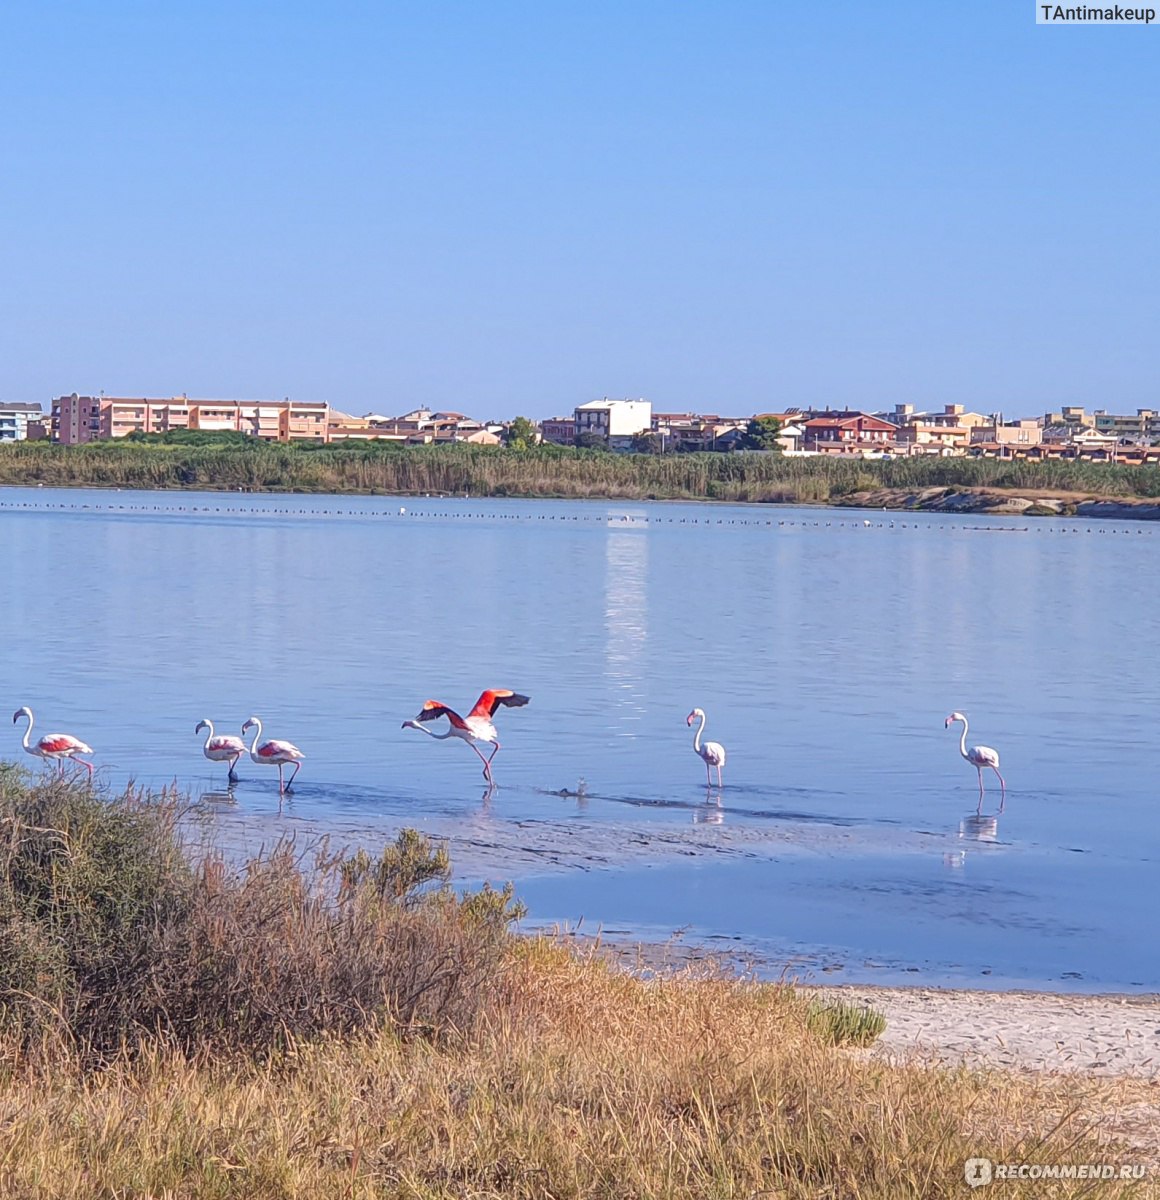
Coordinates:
(613, 418)
(15, 420)
(1021, 434)
(848, 433)
(559, 430)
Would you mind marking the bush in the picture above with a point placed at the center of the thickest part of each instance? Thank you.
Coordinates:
(112, 936)
(840, 1024)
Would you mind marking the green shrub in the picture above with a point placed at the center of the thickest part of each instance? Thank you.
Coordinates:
(113, 935)
(840, 1024)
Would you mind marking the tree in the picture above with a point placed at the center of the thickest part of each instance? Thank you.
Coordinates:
(520, 434)
(591, 441)
(761, 434)
(647, 443)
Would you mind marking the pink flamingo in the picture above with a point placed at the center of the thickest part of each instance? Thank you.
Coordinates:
(221, 747)
(712, 752)
(274, 753)
(475, 727)
(979, 757)
(57, 746)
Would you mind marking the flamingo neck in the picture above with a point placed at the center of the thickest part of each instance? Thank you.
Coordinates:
(28, 731)
(963, 742)
(257, 736)
(439, 737)
(208, 736)
(697, 735)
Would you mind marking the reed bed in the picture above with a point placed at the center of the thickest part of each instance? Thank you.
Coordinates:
(546, 1074)
(545, 471)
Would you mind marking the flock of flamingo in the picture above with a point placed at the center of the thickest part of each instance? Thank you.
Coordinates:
(476, 727)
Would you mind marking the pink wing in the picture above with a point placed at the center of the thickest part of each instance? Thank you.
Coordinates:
(278, 749)
(62, 743)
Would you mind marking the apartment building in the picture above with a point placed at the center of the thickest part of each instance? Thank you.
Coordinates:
(1143, 426)
(77, 419)
(15, 420)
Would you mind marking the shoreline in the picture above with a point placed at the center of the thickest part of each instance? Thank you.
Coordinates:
(960, 500)
(1115, 1034)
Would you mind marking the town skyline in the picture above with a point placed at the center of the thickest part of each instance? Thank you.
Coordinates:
(390, 406)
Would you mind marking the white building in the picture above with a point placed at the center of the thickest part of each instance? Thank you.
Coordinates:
(614, 418)
(14, 420)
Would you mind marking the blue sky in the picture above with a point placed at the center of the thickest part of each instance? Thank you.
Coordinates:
(515, 207)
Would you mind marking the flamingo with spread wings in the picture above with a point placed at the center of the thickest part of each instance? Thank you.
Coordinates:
(55, 746)
(475, 727)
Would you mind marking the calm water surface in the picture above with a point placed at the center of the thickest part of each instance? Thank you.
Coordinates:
(826, 651)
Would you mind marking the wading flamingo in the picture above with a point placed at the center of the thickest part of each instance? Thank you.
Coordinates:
(274, 753)
(221, 747)
(712, 752)
(475, 727)
(57, 746)
(979, 757)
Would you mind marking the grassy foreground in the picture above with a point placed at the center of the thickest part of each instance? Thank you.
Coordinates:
(515, 1069)
(548, 471)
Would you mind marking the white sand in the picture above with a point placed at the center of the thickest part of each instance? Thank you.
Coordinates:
(1038, 1031)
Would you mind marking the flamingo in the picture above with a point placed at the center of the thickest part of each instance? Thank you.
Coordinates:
(222, 747)
(979, 757)
(274, 753)
(57, 746)
(475, 727)
(712, 752)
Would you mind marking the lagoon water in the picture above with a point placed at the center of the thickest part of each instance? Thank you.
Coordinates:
(826, 647)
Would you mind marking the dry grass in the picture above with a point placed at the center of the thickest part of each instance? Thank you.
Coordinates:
(583, 1082)
(327, 1027)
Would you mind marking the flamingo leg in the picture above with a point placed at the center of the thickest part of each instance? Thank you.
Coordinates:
(486, 761)
(708, 777)
(232, 775)
(1003, 785)
(297, 768)
(980, 770)
(281, 785)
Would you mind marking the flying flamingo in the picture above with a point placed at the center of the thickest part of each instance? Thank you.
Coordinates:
(475, 727)
(979, 757)
(712, 752)
(274, 753)
(57, 746)
(221, 747)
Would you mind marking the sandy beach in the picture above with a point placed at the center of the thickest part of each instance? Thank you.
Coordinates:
(1037, 1031)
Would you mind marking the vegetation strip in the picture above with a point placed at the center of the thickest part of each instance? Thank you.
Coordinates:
(209, 462)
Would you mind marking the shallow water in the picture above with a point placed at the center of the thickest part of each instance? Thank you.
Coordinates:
(826, 647)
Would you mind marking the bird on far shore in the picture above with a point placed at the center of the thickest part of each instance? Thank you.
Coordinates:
(475, 727)
(55, 746)
(712, 752)
(979, 757)
(274, 753)
(221, 747)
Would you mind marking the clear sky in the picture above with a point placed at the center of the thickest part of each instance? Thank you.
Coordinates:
(503, 207)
